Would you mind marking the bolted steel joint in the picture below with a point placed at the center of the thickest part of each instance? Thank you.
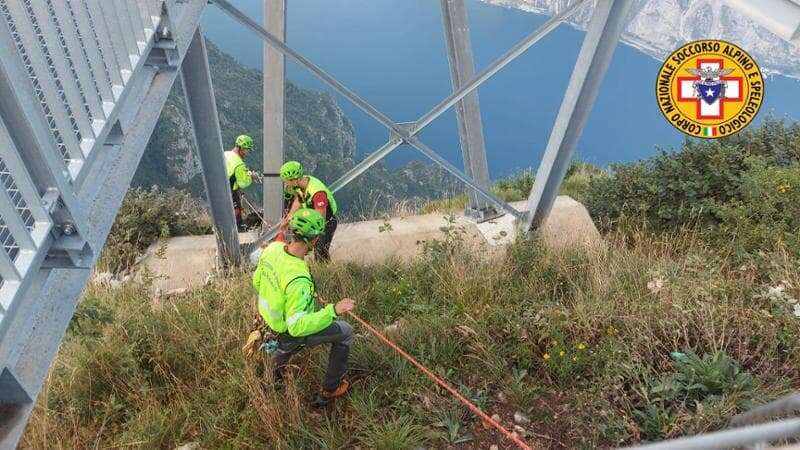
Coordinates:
(68, 229)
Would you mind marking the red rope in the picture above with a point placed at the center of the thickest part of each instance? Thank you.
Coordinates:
(472, 407)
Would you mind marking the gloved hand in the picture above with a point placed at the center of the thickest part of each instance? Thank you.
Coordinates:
(253, 343)
(255, 175)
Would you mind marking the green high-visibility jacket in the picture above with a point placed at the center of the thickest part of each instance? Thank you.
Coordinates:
(315, 186)
(286, 294)
(237, 171)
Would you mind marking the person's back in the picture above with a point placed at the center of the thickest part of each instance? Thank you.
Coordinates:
(237, 171)
(239, 176)
(275, 271)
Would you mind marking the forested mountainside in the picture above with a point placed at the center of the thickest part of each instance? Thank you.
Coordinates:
(317, 133)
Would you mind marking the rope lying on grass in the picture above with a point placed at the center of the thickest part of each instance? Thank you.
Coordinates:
(472, 407)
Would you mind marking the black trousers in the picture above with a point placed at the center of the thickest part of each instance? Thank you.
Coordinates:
(237, 208)
(323, 247)
(339, 334)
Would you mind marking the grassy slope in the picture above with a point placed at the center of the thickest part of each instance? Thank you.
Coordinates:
(137, 374)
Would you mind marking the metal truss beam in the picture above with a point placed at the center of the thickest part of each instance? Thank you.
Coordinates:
(781, 17)
(779, 408)
(274, 111)
(468, 110)
(757, 435)
(607, 22)
(30, 343)
(400, 134)
(202, 107)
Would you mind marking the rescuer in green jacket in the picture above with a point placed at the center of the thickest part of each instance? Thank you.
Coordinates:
(310, 192)
(286, 294)
(238, 174)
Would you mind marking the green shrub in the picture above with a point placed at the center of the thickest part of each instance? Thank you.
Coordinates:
(713, 382)
(145, 217)
(767, 212)
(671, 189)
(698, 378)
(739, 191)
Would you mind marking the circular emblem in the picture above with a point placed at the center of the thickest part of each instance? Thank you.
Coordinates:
(709, 89)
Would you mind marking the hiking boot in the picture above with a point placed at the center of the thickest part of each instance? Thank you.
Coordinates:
(325, 396)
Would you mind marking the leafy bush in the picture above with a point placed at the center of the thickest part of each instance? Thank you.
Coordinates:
(696, 381)
(767, 212)
(671, 189)
(697, 378)
(146, 216)
(740, 191)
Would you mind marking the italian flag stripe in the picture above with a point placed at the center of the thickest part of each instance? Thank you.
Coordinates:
(709, 131)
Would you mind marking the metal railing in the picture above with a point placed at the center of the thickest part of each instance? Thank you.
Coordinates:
(82, 84)
(79, 57)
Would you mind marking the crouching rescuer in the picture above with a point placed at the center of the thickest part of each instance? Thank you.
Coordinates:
(286, 304)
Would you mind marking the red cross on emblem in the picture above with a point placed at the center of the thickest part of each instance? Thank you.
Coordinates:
(715, 110)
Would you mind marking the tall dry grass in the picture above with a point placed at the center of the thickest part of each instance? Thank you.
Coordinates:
(132, 373)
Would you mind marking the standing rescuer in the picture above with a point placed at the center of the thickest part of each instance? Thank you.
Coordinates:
(286, 294)
(310, 192)
(238, 174)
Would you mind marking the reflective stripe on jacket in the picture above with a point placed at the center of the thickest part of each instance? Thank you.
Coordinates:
(286, 294)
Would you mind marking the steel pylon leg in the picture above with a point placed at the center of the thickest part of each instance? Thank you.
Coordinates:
(199, 92)
(468, 112)
(274, 111)
(607, 23)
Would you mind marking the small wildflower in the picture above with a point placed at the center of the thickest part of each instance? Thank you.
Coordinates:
(554, 344)
(546, 356)
(581, 346)
(655, 285)
(561, 353)
(574, 358)
(784, 187)
(777, 291)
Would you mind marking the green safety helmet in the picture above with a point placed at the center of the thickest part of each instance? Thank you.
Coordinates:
(307, 223)
(244, 141)
(291, 170)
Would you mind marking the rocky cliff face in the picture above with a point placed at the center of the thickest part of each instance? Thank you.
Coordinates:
(317, 130)
(317, 133)
(658, 27)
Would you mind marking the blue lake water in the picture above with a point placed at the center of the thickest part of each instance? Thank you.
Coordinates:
(392, 53)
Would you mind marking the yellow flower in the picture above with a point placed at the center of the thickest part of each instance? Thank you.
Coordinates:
(561, 353)
(784, 187)
(574, 358)
(546, 356)
(581, 346)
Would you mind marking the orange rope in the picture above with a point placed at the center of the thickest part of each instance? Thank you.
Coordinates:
(488, 420)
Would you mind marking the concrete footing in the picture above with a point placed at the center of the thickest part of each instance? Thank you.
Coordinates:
(187, 262)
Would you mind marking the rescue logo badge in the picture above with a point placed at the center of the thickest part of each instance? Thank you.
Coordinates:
(709, 89)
